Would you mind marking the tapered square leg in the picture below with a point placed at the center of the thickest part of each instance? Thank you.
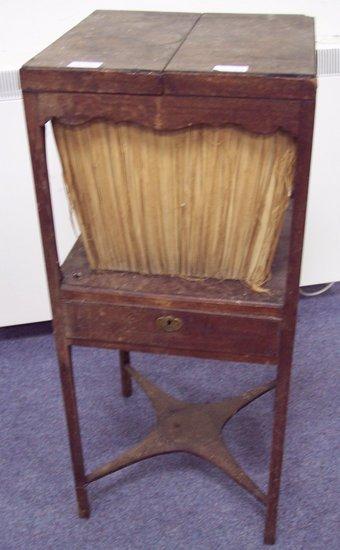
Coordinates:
(70, 404)
(124, 361)
(279, 427)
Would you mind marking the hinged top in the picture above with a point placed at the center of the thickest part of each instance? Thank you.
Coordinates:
(177, 53)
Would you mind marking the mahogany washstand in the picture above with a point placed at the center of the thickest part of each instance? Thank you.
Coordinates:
(157, 71)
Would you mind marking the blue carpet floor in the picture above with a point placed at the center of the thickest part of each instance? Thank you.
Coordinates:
(175, 501)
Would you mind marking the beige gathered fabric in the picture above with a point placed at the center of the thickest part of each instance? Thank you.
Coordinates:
(197, 202)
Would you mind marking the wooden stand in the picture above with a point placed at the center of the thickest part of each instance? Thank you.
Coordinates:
(175, 87)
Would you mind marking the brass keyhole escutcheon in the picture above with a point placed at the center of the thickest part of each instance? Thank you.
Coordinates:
(169, 323)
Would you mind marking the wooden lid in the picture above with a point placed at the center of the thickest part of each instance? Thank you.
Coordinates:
(179, 53)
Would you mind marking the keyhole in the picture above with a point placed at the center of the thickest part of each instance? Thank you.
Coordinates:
(169, 323)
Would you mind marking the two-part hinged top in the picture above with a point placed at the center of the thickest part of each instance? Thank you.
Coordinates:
(227, 55)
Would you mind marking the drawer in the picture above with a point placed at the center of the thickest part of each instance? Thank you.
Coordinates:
(173, 331)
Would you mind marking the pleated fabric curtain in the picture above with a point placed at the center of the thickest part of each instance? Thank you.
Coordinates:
(197, 202)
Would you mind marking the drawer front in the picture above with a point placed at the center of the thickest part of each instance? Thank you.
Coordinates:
(173, 330)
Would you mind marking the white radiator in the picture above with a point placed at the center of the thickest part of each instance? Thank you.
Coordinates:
(23, 288)
(321, 251)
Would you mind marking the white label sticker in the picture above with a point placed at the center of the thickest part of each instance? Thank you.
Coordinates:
(231, 68)
(85, 64)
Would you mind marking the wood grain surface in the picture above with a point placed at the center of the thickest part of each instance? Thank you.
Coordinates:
(151, 52)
